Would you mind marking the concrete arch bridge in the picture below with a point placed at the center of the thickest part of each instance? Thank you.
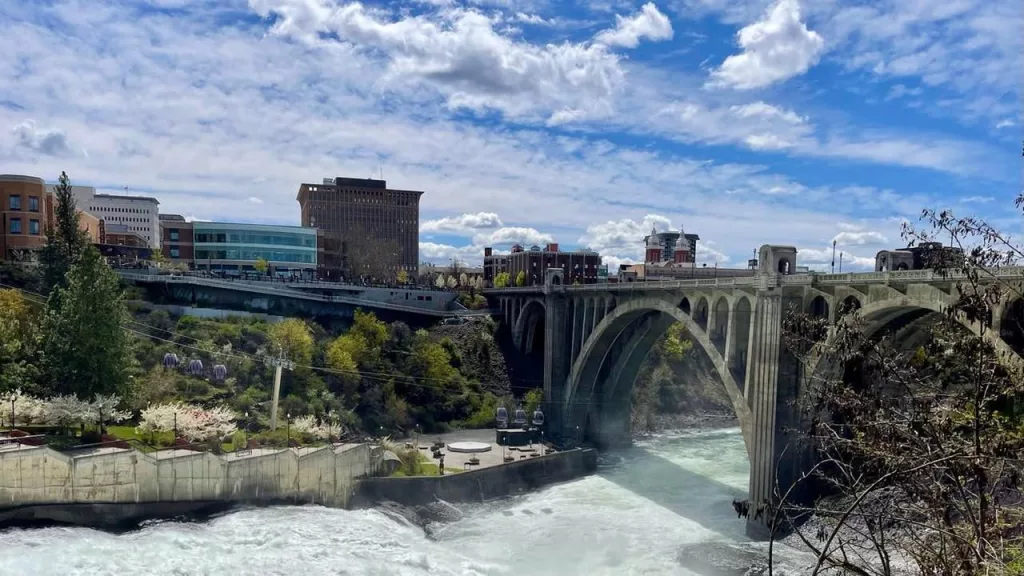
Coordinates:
(592, 340)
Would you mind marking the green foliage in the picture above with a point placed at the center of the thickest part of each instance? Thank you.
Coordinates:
(402, 277)
(261, 265)
(85, 349)
(473, 301)
(532, 400)
(502, 280)
(521, 278)
(294, 338)
(19, 332)
(675, 344)
(65, 240)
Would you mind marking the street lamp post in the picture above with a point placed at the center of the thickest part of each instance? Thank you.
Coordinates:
(246, 428)
(13, 398)
(833, 256)
(288, 428)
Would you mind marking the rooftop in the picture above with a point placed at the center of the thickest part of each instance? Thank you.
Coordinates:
(21, 178)
(128, 197)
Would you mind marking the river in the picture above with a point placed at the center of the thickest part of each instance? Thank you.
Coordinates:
(633, 517)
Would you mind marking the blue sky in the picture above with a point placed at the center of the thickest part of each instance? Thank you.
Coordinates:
(587, 123)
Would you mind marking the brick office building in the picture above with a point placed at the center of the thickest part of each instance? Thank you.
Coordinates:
(580, 266)
(363, 216)
(26, 209)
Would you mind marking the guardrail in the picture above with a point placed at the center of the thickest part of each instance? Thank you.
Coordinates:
(273, 290)
(809, 279)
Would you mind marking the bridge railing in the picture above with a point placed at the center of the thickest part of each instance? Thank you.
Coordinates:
(283, 292)
(805, 279)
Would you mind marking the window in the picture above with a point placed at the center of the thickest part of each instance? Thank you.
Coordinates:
(33, 203)
(174, 252)
(33, 227)
(15, 225)
(15, 202)
(174, 234)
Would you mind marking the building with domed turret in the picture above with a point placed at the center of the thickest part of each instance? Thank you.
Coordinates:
(663, 247)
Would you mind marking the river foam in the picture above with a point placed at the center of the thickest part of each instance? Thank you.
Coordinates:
(667, 492)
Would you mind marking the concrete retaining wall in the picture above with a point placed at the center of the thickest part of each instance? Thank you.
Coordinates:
(477, 485)
(117, 485)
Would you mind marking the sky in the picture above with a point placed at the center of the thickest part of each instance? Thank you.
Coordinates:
(747, 122)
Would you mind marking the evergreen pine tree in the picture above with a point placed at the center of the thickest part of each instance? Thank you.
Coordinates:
(85, 349)
(65, 239)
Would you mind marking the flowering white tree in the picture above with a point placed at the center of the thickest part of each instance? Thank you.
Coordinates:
(193, 423)
(311, 426)
(463, 279)
(440, 282)
(452, 282)
(26, 409)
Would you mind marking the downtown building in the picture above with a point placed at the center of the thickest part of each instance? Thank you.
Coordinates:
(26, 211)
(579, 266)
(368, 229)
(232, 249)
(138, 214)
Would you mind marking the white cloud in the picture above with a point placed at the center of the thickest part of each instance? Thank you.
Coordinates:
(322, 111)
(254, 200)
(622, 240)
(1005, 123)
(821, 260)
(775, 48)
(460, 53)
(977, 199)
(525, 237)
(859, 238)
(48, 141)
(648, 23)
(444, 253)
(462, 224)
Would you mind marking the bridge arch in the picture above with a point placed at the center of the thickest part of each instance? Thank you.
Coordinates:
(603, 374)
(1011, 325)
(879, 315)
(700, 313)
(720, 328)
(528, 332)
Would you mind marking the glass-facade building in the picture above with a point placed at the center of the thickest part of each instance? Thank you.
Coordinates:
(289, 250)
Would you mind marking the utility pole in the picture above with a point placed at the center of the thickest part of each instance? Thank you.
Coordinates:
(278, 363)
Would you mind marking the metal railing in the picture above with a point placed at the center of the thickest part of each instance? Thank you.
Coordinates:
(283, 291)
(805, 279)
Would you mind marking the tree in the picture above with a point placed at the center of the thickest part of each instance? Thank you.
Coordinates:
(157, 257)
(521, 278)
(65, 239)
(452, 282)
(261, 265)
(294, 338)
(85, 349)
(455, 268)
(440, 282)
(921, 445)
(463, 279)
(18, 342)
(501, 280)
(402, 277)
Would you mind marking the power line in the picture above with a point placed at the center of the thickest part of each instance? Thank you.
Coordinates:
(379, 377)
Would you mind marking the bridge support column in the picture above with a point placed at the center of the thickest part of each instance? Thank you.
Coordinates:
(557, 345)
(772, 384)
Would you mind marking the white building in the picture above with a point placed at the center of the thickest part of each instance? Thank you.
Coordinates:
(140, 214)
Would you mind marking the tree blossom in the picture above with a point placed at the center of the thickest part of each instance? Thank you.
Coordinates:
(317, 429)
(26, 409)
(193, 423)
